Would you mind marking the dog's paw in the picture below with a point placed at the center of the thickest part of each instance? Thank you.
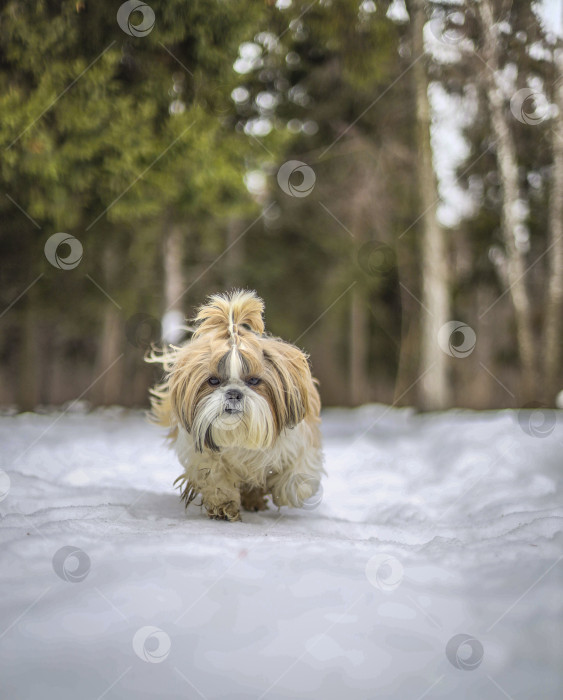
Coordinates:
(296, 491)
(254, 500)
(224, 511)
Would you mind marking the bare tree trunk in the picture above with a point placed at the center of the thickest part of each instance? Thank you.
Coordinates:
(511, 219)
(107, 390)
(554, 298)
(408, 345)
(409, 351)
(28, 387)
(174, 284)
(435, 388)
(361, 218)
(484, 389)
(358, 349)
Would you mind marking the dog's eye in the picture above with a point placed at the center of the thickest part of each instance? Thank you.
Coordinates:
(213, 381)
(253, 381)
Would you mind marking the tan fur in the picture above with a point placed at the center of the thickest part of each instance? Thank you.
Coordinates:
(268, 440)
(224, 314)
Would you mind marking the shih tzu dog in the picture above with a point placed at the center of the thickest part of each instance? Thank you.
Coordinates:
(242, 410)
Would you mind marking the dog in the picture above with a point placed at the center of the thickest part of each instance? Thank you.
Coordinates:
(242, 411)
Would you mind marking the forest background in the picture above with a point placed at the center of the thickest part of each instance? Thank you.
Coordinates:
(387, 175)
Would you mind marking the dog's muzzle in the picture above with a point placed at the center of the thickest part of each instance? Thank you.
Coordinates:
(233, 401)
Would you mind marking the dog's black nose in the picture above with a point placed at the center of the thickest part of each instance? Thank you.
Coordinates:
(233, 395)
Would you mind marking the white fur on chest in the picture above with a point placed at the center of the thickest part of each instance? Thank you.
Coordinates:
(291, 452)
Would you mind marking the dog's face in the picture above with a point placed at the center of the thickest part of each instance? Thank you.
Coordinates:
(239, 389)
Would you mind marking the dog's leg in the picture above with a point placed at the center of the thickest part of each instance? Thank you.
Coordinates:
(221, 499)
(298, 481)
(253, 499)
(207, 474)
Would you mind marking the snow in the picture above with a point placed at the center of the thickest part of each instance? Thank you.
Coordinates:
(430, 527)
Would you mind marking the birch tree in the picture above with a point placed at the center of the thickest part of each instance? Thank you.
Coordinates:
(435, 389)
(511, 215)
(554, 295)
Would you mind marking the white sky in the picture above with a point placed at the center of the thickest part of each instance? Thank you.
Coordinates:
(551, 11)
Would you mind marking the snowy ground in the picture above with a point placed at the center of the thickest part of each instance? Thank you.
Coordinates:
(430, 527)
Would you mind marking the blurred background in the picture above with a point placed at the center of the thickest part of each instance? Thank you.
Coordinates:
(387, 175)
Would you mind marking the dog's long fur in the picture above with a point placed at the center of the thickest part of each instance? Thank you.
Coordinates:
(242, 410)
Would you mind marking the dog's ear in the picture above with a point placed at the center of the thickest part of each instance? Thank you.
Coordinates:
(293, 389)
(187, 380)
(175, 400)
